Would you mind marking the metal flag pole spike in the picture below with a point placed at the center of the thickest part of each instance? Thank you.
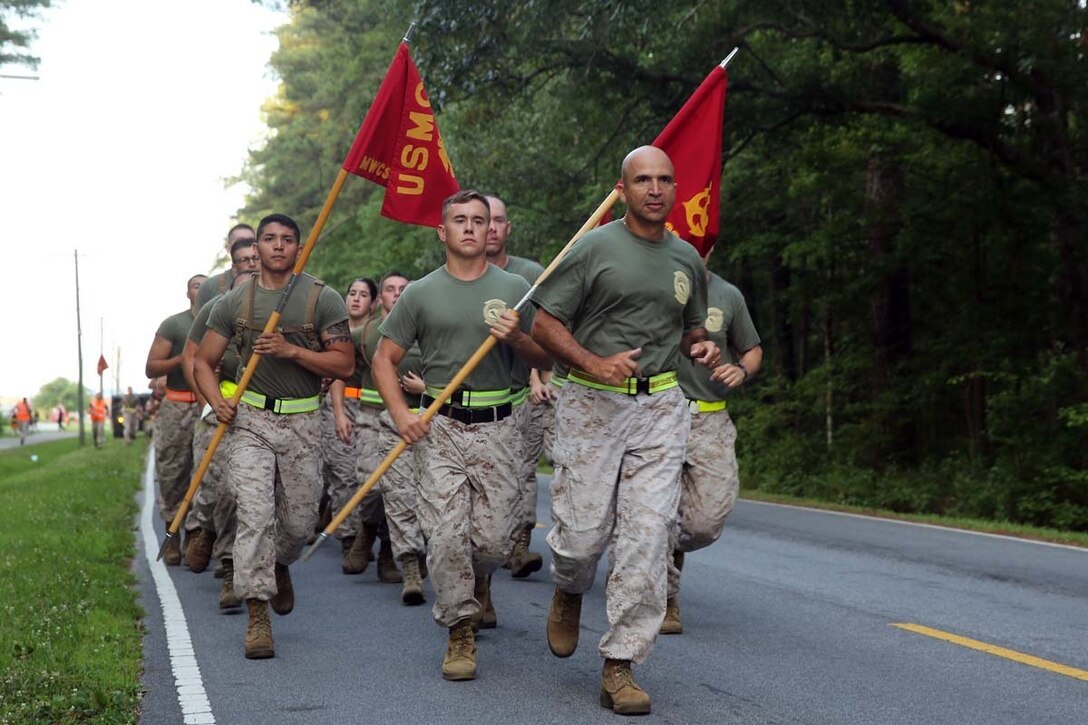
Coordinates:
(408, 33)
(454, 384)
(725, 62)
(255, 358)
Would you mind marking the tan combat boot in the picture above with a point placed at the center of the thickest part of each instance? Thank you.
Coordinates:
(227, 598)
(412, 591)
(284, 599)
(522, 561)
(171, 556)
(460, 660)
(198, 551)
(387, 565)
(361, 547)
(259, 632)
(485, 618)
(620, 692)
(355, 560)
(218, 573)
(671, 623)
(563, 620)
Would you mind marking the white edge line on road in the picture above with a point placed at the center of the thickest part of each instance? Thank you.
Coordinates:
(916, 523)
(192, 698)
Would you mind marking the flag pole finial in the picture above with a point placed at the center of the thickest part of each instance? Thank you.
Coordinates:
(408, 33)
(723, 64)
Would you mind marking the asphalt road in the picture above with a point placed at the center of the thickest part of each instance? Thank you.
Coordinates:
(46, 432)
(788, 619)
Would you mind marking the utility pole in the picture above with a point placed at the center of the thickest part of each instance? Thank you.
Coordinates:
(79, 347)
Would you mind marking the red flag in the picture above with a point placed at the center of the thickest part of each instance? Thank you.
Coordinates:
(102, 364)
(399, 147)
(693, 140)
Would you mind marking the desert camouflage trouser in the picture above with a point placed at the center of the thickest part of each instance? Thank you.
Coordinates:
(708, 487)
(467, 495)
(274, 472)
(130, 424)
(547, 421)
(339, 460)
(213, 506)
(529, 425)
(617, 481)
(399, 494)
(370, 510)
(174, 453)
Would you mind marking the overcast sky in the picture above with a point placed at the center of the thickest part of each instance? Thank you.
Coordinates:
(120, 150)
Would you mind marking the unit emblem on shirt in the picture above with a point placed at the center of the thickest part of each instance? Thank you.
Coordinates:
(714, 319)
(493, 310)
(681, 287)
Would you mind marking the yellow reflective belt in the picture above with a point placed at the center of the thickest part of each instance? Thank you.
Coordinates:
(474, 398)
(370, 397)
(282, 405)
(706, 406)
(227, 388)
(558, 380)
(519, 397)
(657, 383)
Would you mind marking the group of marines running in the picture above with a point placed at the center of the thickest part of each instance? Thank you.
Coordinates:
(618, 371)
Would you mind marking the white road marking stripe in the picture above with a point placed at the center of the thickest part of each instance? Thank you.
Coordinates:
(924, 526)
(192, 698)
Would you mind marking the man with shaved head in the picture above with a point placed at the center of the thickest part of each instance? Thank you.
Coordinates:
(620, 310)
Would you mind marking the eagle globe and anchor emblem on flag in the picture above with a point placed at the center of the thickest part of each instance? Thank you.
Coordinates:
(696, 214)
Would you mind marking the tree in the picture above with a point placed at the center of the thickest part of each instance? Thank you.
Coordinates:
(11, 41)
(63, 391)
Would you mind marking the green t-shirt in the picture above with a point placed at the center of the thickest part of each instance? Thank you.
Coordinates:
(212, 287)
(616, 292)
(228, 365)
(447, 317)
(366, 339)
(730, 326)
(175, 328)
(528, 270)
(276, 377)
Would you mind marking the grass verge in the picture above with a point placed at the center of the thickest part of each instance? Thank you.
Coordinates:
(70, 632)
(1004, 528)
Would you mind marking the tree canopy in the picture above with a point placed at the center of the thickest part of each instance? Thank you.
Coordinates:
(14, 43)
(902, 204)
(60, 390)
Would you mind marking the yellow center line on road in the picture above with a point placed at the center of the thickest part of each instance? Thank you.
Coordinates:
(994, 650)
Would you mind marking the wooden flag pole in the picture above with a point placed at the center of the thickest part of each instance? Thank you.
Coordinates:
(454, 384)
(255, 358)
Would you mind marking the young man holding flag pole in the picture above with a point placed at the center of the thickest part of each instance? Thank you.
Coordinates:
(468, 487)
(414, 190)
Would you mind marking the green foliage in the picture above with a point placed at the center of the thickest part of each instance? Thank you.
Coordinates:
(70, 639)
(902, 205)
(12, 41)
(61, 390)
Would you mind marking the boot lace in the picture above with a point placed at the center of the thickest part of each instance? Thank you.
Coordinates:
(261, 620)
